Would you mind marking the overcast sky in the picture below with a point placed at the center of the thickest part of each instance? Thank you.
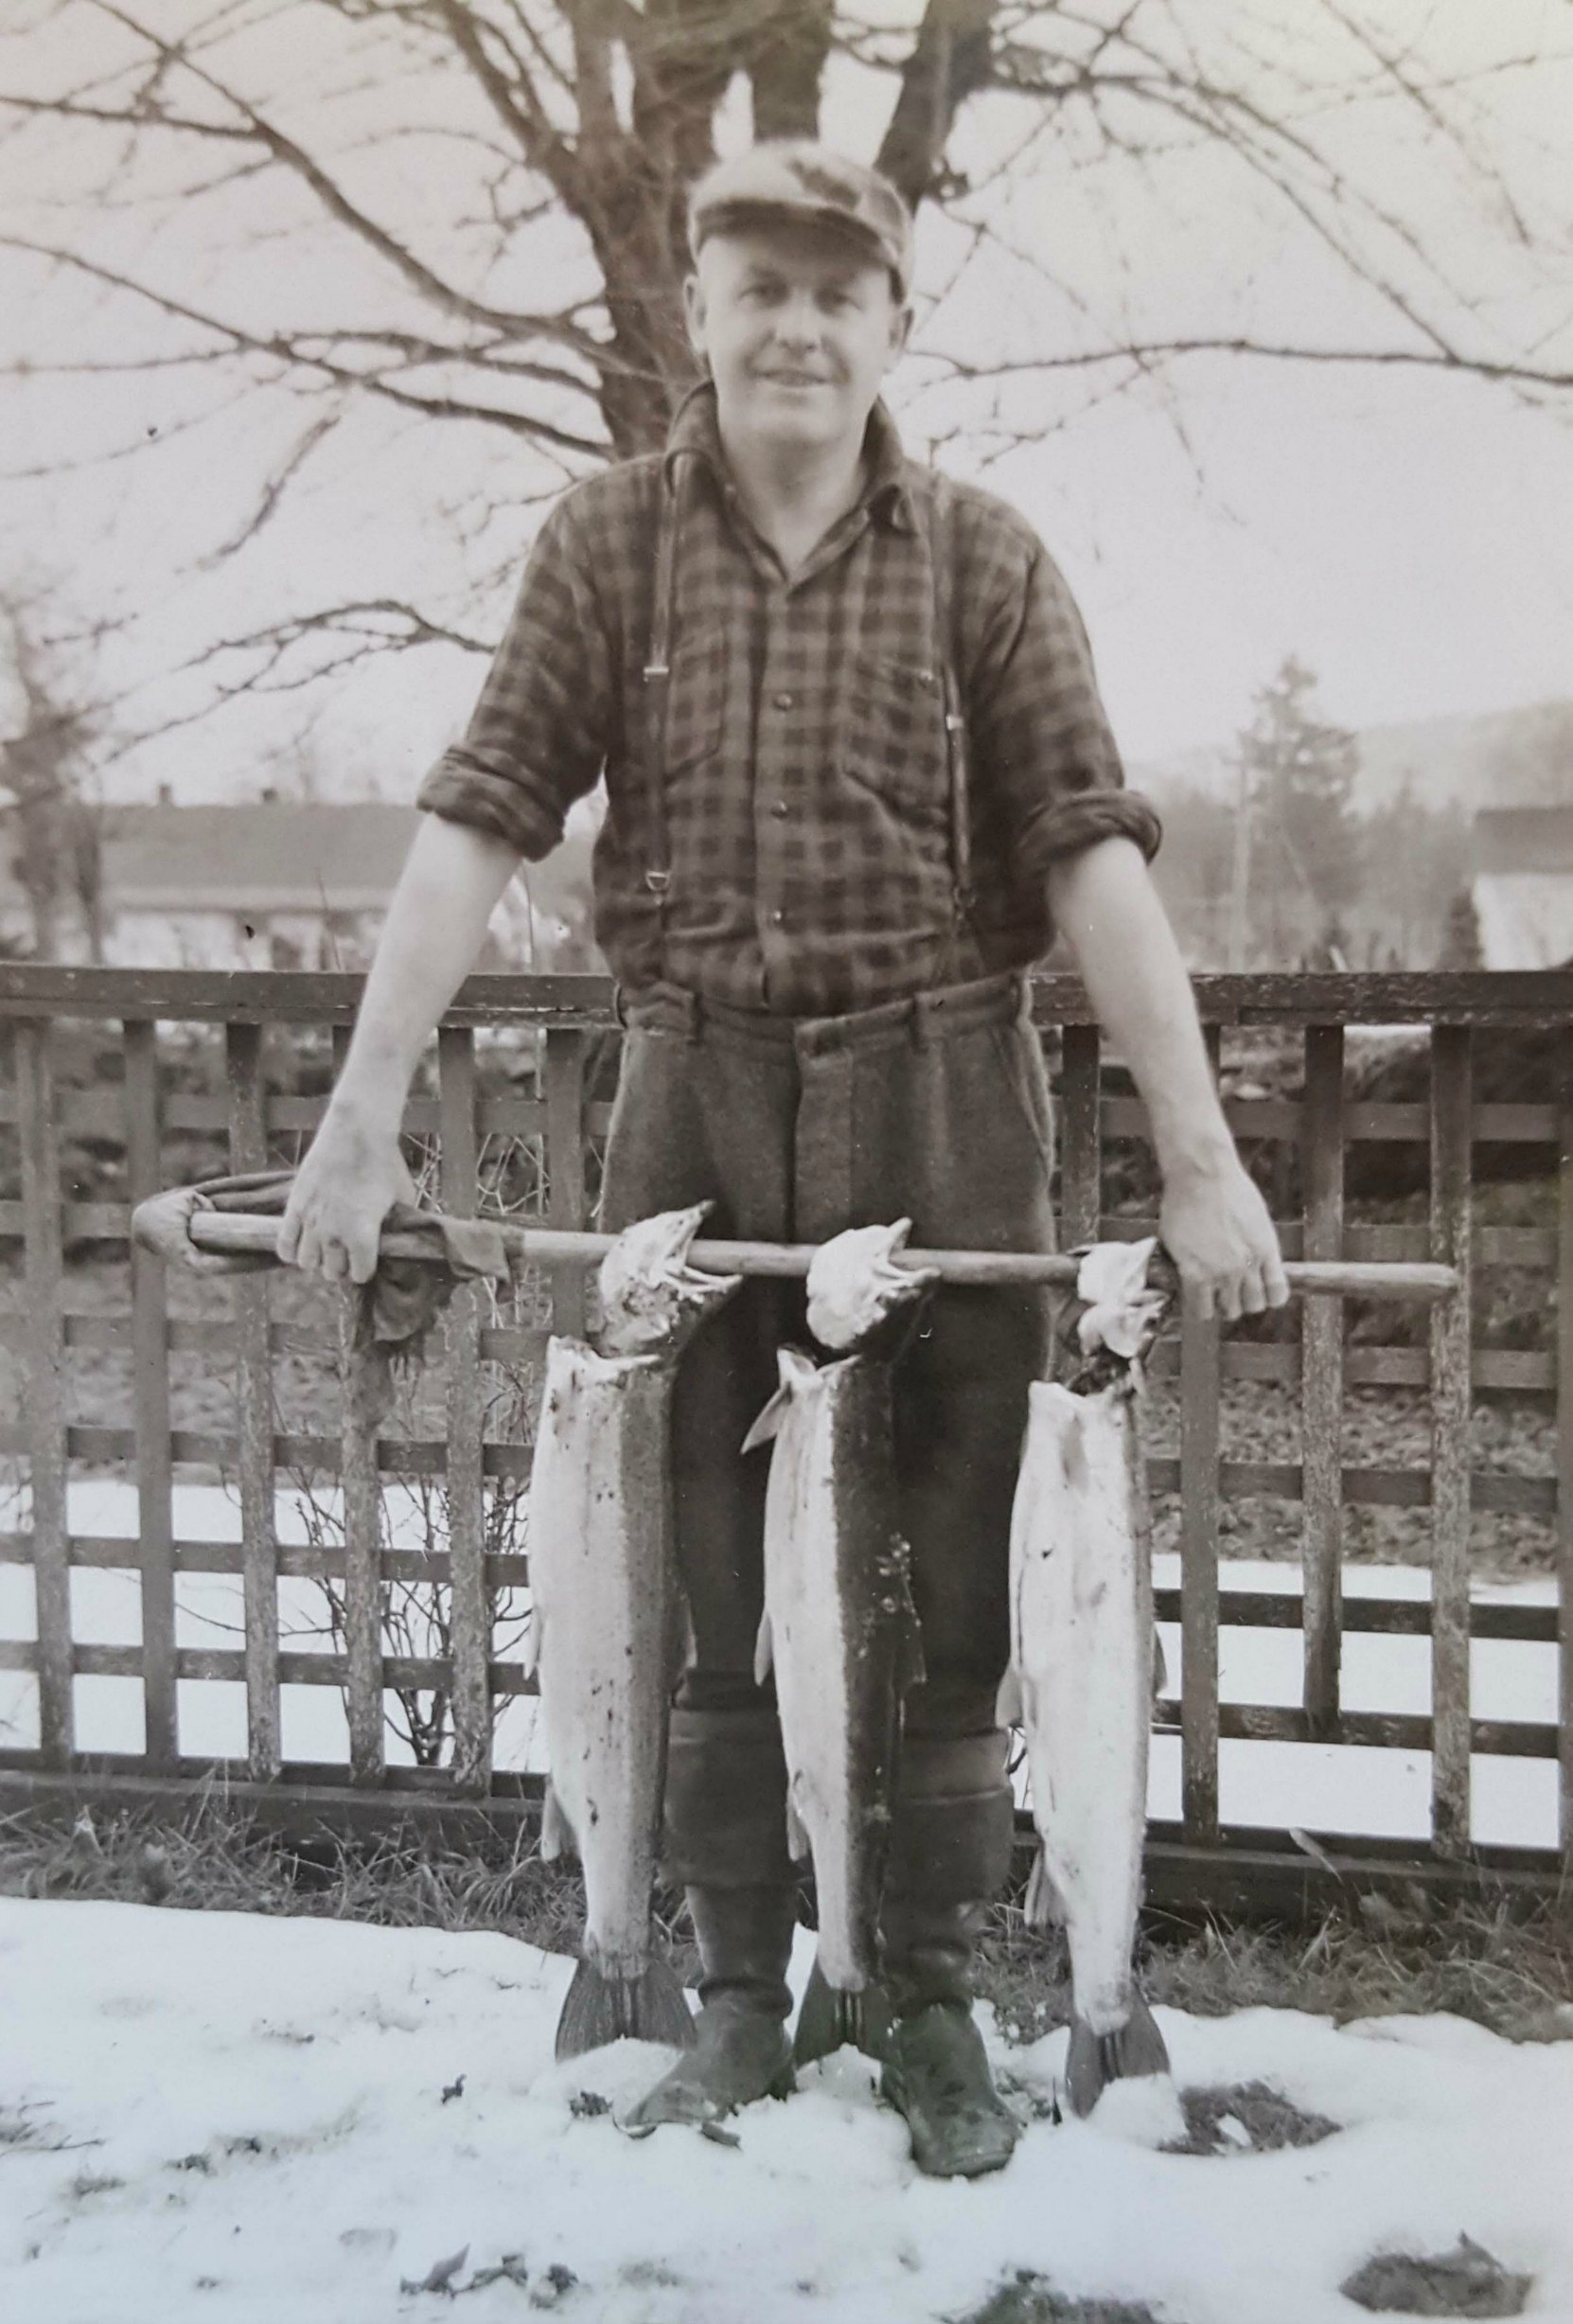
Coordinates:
(1407, 534)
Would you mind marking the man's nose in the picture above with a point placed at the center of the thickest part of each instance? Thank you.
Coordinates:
(798, 320)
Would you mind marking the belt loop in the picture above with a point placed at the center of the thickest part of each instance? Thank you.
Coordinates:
(920, 1020)
(690, 1015)
(620, 1008)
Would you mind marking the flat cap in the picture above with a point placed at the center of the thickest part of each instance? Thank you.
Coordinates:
(795, 180)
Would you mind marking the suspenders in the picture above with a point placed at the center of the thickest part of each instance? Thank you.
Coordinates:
(939, 516)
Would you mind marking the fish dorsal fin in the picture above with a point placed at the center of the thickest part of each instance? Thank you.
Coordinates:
(1008, 1709)
(792, 1367)
(764, 1650)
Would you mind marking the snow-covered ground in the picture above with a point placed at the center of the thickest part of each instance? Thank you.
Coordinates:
(214, 2116)
(1318, 1787)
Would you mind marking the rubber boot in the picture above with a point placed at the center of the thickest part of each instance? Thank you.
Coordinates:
(950, 1846)
(741, 2050)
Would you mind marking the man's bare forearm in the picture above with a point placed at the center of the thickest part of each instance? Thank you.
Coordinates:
(1105, 905)
(435, 923)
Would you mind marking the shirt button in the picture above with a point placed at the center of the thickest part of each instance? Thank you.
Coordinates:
(778, 919)
(779, 806)
(784, 701)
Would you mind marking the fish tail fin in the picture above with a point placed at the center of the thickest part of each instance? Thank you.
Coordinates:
(1008, 1708)
(557, 1833)
(1042, 1906)
(1095, 2060)
(599, 2009)
(764, 1650)
(828, 2020)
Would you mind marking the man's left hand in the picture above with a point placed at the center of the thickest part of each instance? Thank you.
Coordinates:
(1217, 1229)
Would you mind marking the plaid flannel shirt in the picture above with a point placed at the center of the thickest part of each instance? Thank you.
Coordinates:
(806, 772)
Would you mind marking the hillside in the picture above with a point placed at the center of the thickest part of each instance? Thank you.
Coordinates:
(1521, 757)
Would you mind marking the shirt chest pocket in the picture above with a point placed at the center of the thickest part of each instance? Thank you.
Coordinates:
(893, 733)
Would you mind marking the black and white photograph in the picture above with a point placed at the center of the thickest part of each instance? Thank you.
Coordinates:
(785, 1161)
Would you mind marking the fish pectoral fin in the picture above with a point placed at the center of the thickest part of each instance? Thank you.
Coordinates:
(1008, 1709)
(557, 1833)
(792, 1369)
(529, 1654)
(1044, 1906)
(764, 1650)
(768, 1423)
(798, 1844)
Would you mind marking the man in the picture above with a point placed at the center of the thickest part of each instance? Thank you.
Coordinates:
(857, 775)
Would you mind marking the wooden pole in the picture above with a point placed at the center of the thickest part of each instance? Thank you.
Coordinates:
(1418, 1279)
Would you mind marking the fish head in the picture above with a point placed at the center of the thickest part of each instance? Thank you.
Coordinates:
(858, 1287)
(1122, 1312)
(651, 1299)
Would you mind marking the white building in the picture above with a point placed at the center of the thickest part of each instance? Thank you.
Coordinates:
(279, 884)
(1523, 887)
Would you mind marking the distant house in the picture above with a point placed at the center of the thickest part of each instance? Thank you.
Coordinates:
(279, 883)
(1523, 888)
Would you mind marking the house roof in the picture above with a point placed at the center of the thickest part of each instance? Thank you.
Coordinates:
(1522, 840)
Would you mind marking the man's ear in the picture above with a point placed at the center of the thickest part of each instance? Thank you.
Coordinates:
(692, 313)
(901, 331)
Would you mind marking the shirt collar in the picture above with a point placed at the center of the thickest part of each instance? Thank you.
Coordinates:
(696, 434)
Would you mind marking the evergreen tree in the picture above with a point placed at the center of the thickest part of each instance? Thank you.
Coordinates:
(1300, 866)
(1461, 945)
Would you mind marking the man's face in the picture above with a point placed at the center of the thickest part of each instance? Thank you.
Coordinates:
(799, 330)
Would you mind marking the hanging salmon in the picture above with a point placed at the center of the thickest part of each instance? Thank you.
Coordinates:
(840, 1630)
(1080, 1680)
(605, 1632)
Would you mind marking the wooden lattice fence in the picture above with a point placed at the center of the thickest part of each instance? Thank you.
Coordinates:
(88, 1140)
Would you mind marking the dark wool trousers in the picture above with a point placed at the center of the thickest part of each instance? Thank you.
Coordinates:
(935, 1109)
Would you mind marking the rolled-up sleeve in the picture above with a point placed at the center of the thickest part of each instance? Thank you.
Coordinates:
(1040, 736)
(538, 737)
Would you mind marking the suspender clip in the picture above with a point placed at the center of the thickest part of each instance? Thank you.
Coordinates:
(656, 669)
(658, 882)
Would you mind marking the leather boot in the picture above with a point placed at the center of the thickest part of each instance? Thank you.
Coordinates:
(950, 1846)
(741, 2049)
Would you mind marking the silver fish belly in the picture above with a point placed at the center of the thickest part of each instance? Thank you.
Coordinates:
(606, 1624)
(840, 1630)
(1080, 1687)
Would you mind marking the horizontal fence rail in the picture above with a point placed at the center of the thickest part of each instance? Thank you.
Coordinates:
(119, 1083)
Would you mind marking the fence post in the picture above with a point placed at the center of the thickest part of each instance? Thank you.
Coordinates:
(1080, 1136)
(1200, 1371)
(37, 1126)
(1564, 1434)
(565, 1203)
(248, 1150)
(151, 1390)
(1323, 1380)
(469, 1615)
(1451, 1409)
(360, 1485)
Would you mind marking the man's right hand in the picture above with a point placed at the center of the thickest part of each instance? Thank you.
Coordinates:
(352, 1176)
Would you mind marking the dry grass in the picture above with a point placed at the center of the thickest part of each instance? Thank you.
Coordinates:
(1506, 1967)
(1030, 2300)
(1510, 1971)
